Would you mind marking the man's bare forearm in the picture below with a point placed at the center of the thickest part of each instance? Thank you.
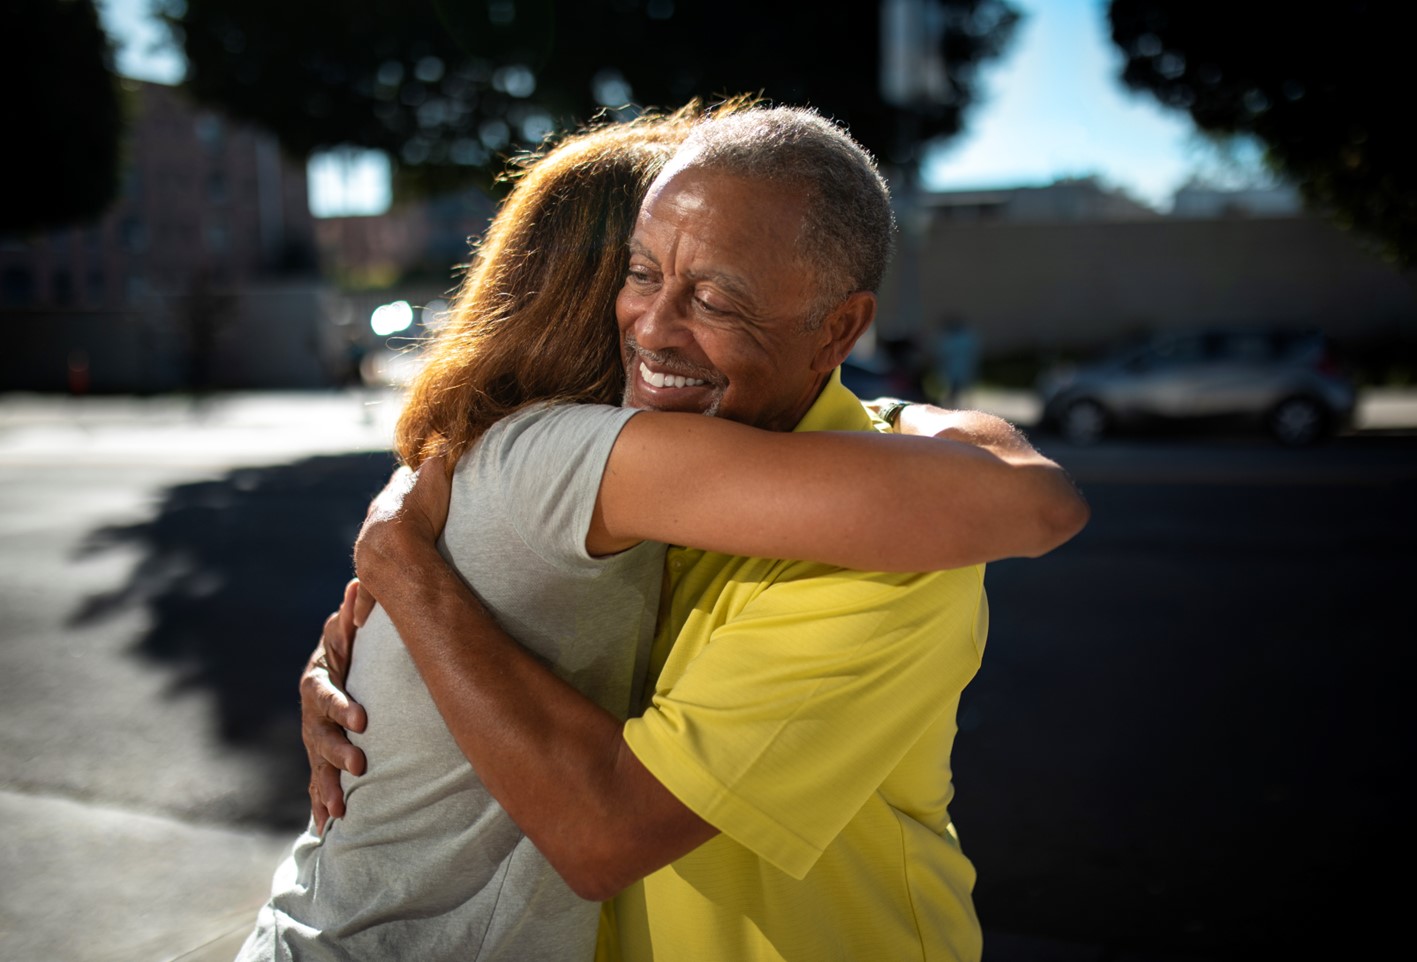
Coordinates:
(554, 759)
(1039, 507)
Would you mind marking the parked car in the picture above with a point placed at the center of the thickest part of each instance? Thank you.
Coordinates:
(1285, 381)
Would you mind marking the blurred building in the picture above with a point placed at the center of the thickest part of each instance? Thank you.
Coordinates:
(413, 253)
(1072, 267)
(1197, 199)
(1068, 200)
(202, 275)
(424, 239)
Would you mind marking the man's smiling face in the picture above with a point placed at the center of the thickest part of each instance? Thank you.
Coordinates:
(715, 305)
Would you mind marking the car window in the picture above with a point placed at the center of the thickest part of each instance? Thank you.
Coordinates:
(1177, 351)
(1247, 347)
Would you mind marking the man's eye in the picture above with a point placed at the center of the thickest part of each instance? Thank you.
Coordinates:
(709, 308)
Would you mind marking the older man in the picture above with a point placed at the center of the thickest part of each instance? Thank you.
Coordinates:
(785, 793)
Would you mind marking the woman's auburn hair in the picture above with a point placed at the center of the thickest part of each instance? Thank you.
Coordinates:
(534, 318)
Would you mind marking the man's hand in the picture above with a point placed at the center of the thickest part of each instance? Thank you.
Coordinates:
(413, 506)
(412, 509)
(326, 711)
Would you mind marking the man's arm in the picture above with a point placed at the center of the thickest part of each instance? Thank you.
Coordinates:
(555, 761)
(974, 492)
(1061, 507)
(1041, 482)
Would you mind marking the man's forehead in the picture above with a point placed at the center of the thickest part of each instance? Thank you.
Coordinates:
(722, 209)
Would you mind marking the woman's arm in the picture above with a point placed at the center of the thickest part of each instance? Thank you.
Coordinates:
(973, 492)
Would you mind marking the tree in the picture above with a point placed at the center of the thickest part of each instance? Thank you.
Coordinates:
(450, 87)
(1320, 86)
(63, 115)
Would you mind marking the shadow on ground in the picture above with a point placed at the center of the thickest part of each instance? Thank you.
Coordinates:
(237, 576)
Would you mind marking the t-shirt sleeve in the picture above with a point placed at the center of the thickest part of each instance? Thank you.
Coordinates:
(799, 707)
(543, 466)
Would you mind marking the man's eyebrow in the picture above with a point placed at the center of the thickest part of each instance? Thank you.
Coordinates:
(734, 285)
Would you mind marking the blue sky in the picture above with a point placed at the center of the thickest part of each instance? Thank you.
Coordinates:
(1053, 109)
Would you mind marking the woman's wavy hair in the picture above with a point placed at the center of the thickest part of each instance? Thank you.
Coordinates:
(534, 318)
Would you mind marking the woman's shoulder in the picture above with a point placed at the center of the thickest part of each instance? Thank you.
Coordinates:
(545, 430)
(552, 422)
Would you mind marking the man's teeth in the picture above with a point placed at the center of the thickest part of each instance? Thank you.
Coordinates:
(668, 380)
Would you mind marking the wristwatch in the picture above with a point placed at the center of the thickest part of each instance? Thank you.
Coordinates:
(891, 412)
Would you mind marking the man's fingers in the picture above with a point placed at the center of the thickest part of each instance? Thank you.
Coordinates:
(326, 742)
(321, 701)
(337, 638)
(363, 604)
(326, 712)
(326, 793)
(319, 811)
(347, 622)
(326, 789)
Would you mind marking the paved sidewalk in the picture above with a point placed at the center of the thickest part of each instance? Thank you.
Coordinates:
(83, 882)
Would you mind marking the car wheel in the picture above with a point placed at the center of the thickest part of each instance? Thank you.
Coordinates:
(1298, 421)
(1083, 421)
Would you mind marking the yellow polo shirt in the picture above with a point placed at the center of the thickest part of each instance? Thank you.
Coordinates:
(807, 712)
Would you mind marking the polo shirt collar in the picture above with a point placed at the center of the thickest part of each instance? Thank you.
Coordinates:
(836, 409)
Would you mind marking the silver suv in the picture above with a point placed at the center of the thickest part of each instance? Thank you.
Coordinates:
(1284, 380)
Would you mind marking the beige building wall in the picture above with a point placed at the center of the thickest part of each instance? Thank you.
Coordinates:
(1064, 286)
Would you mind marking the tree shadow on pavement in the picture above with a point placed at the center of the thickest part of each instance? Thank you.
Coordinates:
(237, 576)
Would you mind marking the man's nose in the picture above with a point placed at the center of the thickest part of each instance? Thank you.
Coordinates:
(663, 322)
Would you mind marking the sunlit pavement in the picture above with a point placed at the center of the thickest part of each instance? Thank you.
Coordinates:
(239, 428)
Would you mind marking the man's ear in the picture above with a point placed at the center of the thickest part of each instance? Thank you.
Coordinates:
(842, 328)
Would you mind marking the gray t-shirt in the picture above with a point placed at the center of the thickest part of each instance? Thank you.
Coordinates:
(425, 864)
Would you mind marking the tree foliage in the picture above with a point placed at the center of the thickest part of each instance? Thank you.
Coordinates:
(63, 115)
(1322, 87)
(450, 87)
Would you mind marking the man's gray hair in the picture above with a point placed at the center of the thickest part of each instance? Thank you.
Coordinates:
(849, 228)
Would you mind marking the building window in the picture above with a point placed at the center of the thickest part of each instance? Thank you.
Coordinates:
(209, 131)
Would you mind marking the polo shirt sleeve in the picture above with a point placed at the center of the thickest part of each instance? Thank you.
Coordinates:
(801, 704)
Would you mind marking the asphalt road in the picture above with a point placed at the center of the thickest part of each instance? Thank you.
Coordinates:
(1189, 733)
(1188, 739)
